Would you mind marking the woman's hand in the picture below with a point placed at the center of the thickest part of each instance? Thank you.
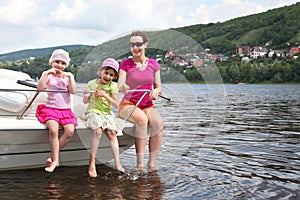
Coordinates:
(124, 88)
(154, 94)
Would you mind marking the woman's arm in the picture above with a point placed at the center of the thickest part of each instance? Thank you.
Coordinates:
(157, 86)
(122, 81)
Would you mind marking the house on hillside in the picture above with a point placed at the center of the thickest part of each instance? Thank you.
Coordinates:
(242, 50)
(258, 51)
(294, 51)
(277, 53)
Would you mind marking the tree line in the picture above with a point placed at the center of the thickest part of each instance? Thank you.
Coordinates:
(262, 70)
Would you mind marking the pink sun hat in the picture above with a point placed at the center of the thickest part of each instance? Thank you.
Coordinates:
(60, 54)
(112, 63)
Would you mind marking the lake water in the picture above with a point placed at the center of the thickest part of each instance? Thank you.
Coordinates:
(220, 142)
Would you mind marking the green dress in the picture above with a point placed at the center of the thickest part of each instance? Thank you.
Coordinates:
(99, 114)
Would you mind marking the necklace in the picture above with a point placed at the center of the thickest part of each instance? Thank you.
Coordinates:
(141, 65)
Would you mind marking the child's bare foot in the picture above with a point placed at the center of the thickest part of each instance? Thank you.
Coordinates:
(52, 167)
(49, 161)
(92, 171)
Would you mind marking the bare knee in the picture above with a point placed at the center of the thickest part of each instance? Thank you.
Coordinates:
(98, 132)
(157, 126)
(142, 121)
(110, 134)
(69, 131)
(53, 132)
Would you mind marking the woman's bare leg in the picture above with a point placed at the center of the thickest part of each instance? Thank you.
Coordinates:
(139, 118)
(156, 124)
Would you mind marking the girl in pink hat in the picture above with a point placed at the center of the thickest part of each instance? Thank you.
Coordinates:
(57, 110)
(98, 115)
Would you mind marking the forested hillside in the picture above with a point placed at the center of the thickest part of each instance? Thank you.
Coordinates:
(280, 27)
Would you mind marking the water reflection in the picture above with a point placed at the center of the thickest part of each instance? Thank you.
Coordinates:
(54, 190)
(74, 183)
(133, 185)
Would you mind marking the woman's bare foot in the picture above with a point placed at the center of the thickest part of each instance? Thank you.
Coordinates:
(140, 167)
(52, 167)
(151, 167)
(119, 167)
(92, 171)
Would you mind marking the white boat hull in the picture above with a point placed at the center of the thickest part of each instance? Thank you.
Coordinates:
(28, 146)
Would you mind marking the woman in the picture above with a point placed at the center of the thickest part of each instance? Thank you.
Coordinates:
(141, 73)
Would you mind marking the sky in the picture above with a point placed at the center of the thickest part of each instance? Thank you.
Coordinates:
(31, 24)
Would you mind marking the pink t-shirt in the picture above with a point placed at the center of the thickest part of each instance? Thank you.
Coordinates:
(60, 100)
(139, 80)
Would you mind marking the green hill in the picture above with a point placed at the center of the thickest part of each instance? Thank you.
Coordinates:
(279, 27)
(37, 53)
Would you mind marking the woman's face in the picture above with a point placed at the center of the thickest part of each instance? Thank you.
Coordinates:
(137, 45)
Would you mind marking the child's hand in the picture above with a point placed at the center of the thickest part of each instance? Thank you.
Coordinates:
(87, 92)
(52, 71)
(69, 74)
(100, 93)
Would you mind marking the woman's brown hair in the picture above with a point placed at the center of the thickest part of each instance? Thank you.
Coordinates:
(140, 33)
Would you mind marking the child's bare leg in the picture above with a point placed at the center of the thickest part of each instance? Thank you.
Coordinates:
(66, 136)
(114, 144)
(54, 145)
(63, 140)
(94, 148)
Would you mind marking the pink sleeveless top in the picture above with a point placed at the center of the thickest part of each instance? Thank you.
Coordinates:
(59, 100)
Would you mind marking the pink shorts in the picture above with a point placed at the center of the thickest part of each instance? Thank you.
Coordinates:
(62, 116)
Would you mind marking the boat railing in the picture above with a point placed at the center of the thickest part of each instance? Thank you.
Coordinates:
(30, 83)
(33, 85)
